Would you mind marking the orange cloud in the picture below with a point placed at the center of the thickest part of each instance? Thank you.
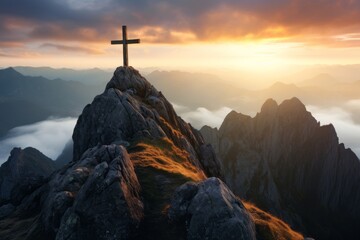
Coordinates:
(320, 22)
(71, 48)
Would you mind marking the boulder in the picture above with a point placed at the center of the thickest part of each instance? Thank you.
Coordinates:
(211, 211)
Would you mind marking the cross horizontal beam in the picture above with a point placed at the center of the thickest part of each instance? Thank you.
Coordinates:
(130, 41)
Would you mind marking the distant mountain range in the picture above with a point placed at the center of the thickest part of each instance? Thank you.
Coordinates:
(195, 89)
(25, 100)
(207, 91)
(94, 76)
(212, 92)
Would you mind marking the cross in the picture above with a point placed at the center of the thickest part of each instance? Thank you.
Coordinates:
(125, 43)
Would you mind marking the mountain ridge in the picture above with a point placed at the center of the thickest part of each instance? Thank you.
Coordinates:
(129, 179)
(20, 95)
(286, 163)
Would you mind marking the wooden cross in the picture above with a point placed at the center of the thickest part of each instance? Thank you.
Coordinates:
(125, 43)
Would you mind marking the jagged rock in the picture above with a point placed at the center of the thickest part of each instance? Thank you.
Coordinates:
(285, 162)
(96, 198)
(131, 151)
(22, 172)
(98, 194)
(131, 109)
(211, 211)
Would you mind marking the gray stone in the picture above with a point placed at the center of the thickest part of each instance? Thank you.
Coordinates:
(130, 109)
(98, 195)
(24, 170)
(97, 198)
(211, 211)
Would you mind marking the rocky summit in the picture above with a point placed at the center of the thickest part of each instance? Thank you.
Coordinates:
(138, 172)
(286, 163)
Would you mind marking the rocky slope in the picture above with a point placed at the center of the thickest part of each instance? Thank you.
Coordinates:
(23, 167)
(286, 163)
(25, 170)
(129, 178)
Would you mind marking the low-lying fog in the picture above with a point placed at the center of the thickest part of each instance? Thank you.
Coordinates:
(50, 136)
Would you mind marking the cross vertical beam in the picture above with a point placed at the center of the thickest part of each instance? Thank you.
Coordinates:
(125, 47)
(125, 43)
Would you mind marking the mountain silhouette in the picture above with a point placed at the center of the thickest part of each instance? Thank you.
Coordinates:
(286, 163)
(25, 100)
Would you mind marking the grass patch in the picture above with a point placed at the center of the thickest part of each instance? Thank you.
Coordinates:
(269, 227)
(163, 155)
(161, 167)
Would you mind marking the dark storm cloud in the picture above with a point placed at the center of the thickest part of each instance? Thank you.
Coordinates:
(204, 19)
(44, 11)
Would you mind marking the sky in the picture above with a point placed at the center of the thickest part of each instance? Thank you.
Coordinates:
(187, 34)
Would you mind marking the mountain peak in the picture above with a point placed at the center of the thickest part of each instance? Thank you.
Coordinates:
(292, 105)
(270, 105)
(10, 73)
(282, 85)
(128, 78)
(22, 167)
(131, 110)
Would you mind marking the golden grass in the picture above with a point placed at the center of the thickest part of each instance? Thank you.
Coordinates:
(164, 155)
(269, 227)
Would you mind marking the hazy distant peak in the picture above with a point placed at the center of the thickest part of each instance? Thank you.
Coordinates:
(234, 117)
(269, 105)
(292, 105)
(281, 85)
(287, 107)
(319, 79)
(9, 73)
(206, 127)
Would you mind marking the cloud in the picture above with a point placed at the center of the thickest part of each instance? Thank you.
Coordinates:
(70, 48)
(348, 131)
(162, 21)
(353, 103)
(48, 136)
(202, 116)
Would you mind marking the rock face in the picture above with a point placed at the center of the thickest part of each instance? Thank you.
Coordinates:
(131, 109)
(96, 198)
(24, 168)
(286, 163)
(131, 151)
(211, 211)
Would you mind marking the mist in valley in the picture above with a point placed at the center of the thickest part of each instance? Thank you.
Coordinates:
(330, 93)
(49, 137)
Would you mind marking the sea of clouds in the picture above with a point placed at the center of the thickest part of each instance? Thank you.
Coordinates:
(49, 137)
